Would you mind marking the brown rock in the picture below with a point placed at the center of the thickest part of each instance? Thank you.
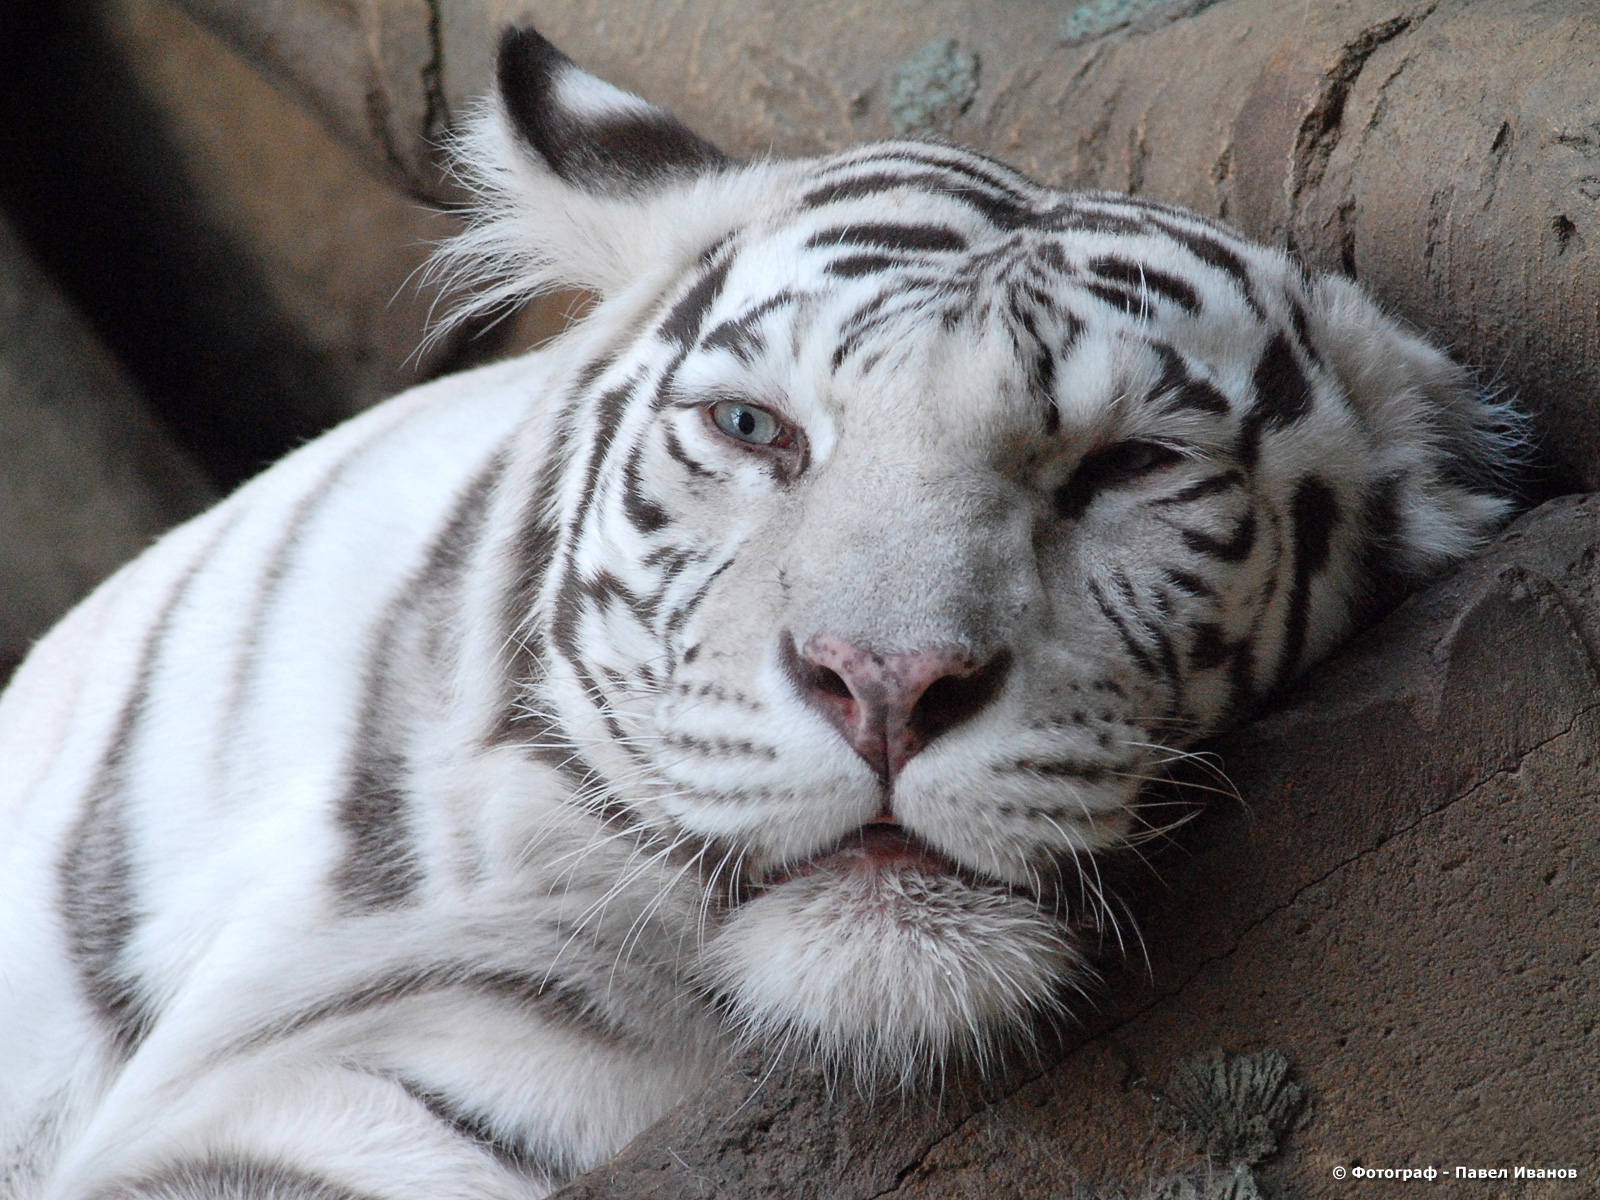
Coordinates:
(1403, 902)
(335, 251)
(254, 277)
(87, 476)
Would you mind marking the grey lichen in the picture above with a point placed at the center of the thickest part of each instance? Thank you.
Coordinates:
(1237, 1106)
(1096, 19)
(1237, 1184)
(932, 88)
(1236, 1109)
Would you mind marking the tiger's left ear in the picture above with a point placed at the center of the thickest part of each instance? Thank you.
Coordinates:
(578, 184)
(593, 136)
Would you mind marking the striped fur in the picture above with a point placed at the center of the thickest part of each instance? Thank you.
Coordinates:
(432, 815)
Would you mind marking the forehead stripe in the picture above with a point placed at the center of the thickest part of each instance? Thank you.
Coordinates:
(890, 237)
(1144, 278)
(741, 335)
(856, 265)
(1182, 390)
(968, 165)
(1211, 250)
(1003, 211)
(688, 315)
(1282, 394)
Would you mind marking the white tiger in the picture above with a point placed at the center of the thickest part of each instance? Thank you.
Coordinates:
(759, 661)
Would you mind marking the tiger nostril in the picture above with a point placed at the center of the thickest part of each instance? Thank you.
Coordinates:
(829, 683)
(956, 698)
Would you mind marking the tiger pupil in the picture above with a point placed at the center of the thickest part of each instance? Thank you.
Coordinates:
(745, 420)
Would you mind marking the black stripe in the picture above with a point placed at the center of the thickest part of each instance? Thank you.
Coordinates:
(679, 617)
(1211, 251)
(1302, 331)
(672, 560)
(1385, 582)
(1209, 486)
(1135, 651)
(1145, 278)
(1041, 364)
(683, 324)
(1132, 303)
(1313, 514)
(532, 551)
(643, 513)
(543, 994)
(1185, 581)
(1165, 650)
(608, 415)
(1235, 548)
(380, 868)
(1178, 389)
(218, 1178)
(97, 900)
(1210, 648)
(692, 465)
(867, 319)
(854, 266)
(998, 176)
(603, 588)
(885, 236)
(438, 586)
(1282, 393)
(551, 1164)
(564, 640)
(590, 373)
(1071, 219)
(741, 335)
(1200, 396)
(1054, 259)
(1004, 212)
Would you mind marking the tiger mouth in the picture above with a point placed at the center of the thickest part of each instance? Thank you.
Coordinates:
(879, 846)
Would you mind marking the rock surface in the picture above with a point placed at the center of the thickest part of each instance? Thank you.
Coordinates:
(1446, 152)
(1403, 900)
(87, 477)
(251, 274)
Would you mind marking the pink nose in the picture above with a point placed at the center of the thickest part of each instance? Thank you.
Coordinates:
(890, 706)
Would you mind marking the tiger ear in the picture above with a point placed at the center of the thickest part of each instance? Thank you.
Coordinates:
(592, 135)
(577, 184)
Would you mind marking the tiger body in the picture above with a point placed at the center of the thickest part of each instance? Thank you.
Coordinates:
(766, 659)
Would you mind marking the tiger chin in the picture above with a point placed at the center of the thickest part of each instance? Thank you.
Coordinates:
(881, 961)
(765, 660)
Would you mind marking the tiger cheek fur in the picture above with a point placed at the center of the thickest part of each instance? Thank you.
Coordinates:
(766, 659)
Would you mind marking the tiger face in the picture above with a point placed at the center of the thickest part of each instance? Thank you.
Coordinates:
(925, 514)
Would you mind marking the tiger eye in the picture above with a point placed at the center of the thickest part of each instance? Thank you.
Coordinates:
(746, 422)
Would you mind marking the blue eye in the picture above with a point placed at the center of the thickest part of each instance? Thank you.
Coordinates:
(746, 422)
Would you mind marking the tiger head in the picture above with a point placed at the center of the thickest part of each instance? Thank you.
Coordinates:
(899, 517)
